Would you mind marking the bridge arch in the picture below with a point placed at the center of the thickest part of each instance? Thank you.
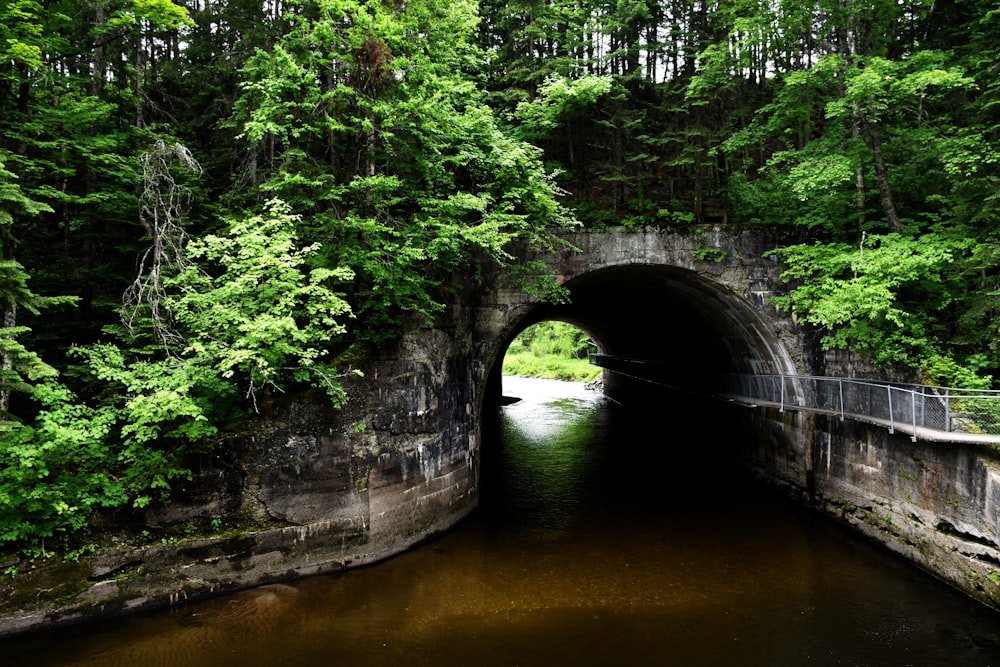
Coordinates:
(658, 299)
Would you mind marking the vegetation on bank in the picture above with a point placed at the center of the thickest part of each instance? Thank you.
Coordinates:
(202, 203)
(553, 350)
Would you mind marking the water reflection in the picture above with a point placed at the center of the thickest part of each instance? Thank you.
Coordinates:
(547, 466)
(601, 541)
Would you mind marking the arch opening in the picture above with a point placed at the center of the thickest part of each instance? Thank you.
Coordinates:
(690, 327)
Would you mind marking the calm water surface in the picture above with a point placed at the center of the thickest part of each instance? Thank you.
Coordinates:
(601, 541)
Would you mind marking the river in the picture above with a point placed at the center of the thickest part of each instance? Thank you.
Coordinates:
(601, 540)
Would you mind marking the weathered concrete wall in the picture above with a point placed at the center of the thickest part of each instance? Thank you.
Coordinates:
(304, 489)
(934, 503)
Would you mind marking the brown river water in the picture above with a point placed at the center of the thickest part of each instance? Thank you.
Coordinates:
(601, 540)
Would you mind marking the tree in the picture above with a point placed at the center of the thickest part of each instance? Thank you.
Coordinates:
(18, 364)
(887, 298)
(163, 204)
(266, 317)
(263, 319)
(362, 120)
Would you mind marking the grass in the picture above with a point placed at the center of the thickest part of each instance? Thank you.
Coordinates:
(552, 367)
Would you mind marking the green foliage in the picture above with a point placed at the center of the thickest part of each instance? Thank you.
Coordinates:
(882, 298)
(164, 14)
(121, 447)
(557, 97)
(537, 279)
(911, 87)
(262, 319)
(79, 456)
(55, 473)
(157, 401)
(553, 338)
(862, 143)
(706, 253)
(20, 366)
(13, 201)
(549, 367)
(258, 313)
(377, 138)
(552, 349)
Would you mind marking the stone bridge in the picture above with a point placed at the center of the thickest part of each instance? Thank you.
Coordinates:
(694, 298)
(310, 490)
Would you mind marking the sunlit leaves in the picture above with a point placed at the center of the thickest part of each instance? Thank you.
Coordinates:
(56, 472)
(551, 350)
(367, 121)
(558, 96)
(906, 88)
(163, 14)
(257, 312)
(257, 316)
(278, 96)
(881, 298)
(21, 35)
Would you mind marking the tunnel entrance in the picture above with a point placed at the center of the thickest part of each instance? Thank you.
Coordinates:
(672, 443)
(690, 327)
(560, 453)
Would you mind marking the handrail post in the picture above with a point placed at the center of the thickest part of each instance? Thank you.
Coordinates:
(782, 378)
(913, 413)
(840, 387)
(892, 420)
(947, 410)
(870, 397)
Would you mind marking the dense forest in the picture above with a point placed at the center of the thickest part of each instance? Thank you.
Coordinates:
(204, 202)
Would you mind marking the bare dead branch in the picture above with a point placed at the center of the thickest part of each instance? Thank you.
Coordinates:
(163, 205)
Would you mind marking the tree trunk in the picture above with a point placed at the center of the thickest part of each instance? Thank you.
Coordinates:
(874, 135)
(139, 89)
(9, 322)
(6, 360)
(99, 73)
(859, 173)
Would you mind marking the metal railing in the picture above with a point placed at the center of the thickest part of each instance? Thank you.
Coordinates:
(939, 413)
(909, 407)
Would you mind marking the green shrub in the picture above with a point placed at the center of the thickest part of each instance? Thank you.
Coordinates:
(555, 350)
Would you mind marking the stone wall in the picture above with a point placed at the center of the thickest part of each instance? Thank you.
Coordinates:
(302, 489)
(935, 503)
